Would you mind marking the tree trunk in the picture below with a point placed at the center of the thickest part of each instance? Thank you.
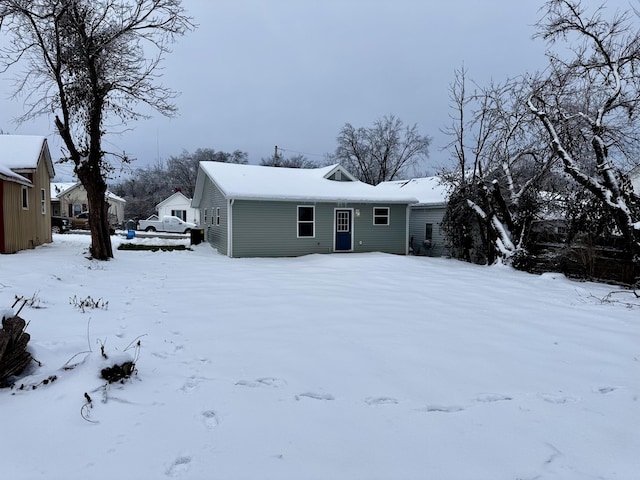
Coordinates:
(96, 188)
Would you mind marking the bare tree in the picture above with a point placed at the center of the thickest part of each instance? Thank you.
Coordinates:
(143, 190)
(589, 105)
(86, 62)
(182, 169)
(383, 152)
(294, 161)
(502, 166)
(146, 187)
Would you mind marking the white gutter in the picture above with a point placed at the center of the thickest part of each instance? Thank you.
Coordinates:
(230, 227)
(406, 233)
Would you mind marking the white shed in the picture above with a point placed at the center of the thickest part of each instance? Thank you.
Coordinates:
(179, 205)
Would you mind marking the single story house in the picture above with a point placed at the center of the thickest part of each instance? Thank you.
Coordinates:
(259, 211)
(178, 205)
(425, 218)
(26, 170)
(70, 199)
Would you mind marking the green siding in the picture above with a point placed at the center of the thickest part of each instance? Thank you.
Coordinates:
(213, 198)
(418, 219)
(269, 229)
(381, 238)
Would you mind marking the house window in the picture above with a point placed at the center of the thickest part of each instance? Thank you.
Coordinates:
(181, 214)
(306, 221)
(43, 201)
(217, 215)
(206, 211)
(428, 233)
(381, 215)
(25, 198)
(76, 209)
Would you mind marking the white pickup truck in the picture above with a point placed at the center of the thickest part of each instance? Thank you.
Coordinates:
(166, 224)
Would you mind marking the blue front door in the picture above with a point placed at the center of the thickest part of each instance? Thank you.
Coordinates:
(343, 230)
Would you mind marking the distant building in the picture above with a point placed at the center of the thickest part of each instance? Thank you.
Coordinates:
(179, 205)
(70, 199)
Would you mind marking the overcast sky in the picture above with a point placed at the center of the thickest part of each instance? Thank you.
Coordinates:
(260, 73)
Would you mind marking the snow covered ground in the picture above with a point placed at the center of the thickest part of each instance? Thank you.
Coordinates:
(351, 366)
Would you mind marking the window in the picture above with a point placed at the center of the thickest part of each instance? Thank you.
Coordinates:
(306, 221)
(428, 231)
(343, 221)
(428, 235)
(43, 201)
(206, 210)
(181, 214)
(25, 198)
(381, 215)
(76, 209)
(217, 215)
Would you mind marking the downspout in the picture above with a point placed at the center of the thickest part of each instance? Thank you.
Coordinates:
(406, 233)
(230, 227)
(2, 233)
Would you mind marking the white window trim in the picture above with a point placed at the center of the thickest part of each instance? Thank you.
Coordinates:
(387, 216)
(205, 215)
(43, 201)
(298, 221)
(217, 215)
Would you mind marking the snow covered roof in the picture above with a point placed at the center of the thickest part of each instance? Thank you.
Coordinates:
(428, 190)
(61, 188)
(10, 176)
(172, 197)
(256, 182)
(113, 196)
(20, 153)
(58, 188)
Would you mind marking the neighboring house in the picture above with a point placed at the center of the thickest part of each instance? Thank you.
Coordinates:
(70, 199)
(425, 234)
(25, 173)
(258, 211)
(179, 205)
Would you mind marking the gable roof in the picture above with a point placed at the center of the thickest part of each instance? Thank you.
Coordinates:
(257, 182)
(173, 197)
(21, 153)
(58, 189)
(428, 190)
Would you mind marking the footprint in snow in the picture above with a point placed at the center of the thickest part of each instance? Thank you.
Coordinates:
(605, 390)
(381, 401)
(444, 408)
(262, 382)
(493, 397)
(316, 396)
(191, 384)
(210, 419)
(557, 399)
(179, 467)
